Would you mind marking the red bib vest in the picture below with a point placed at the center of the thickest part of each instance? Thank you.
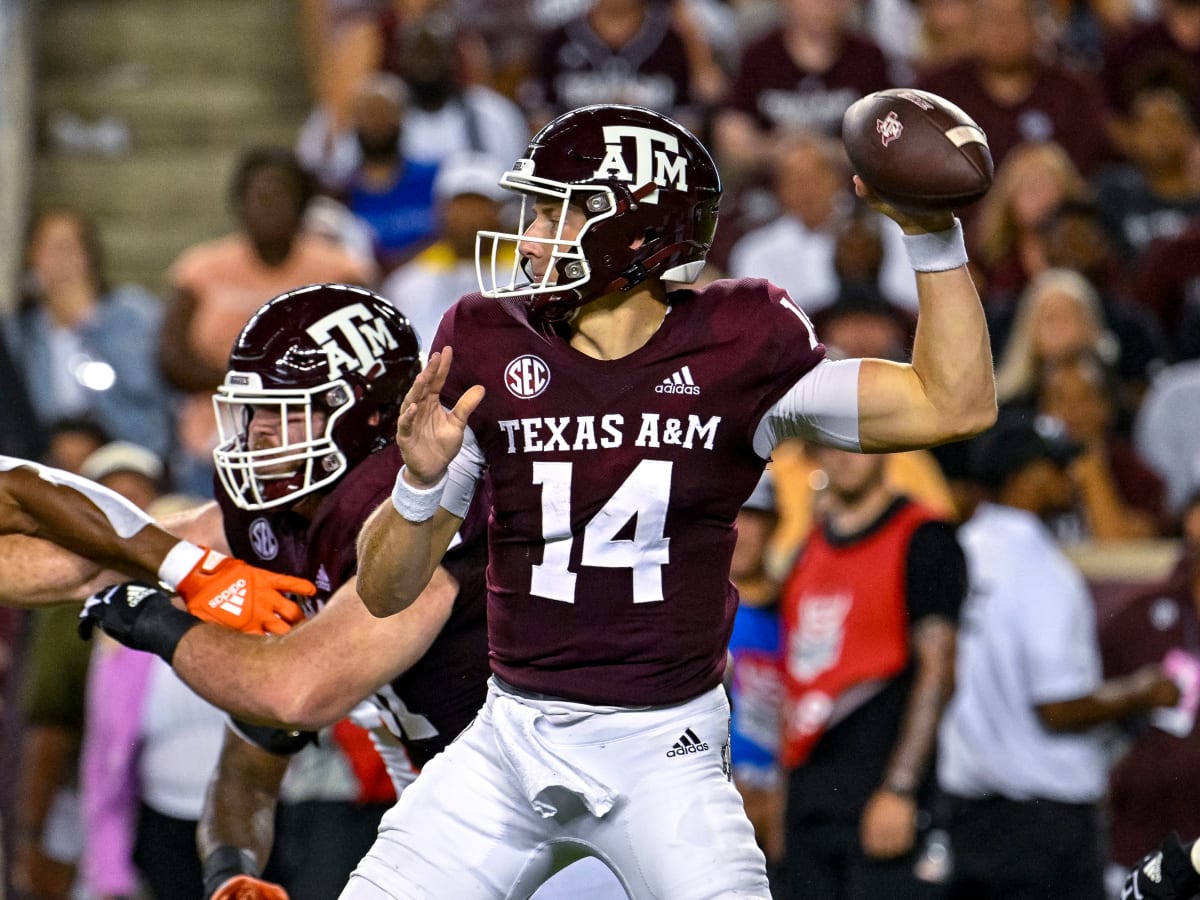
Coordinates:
(845, 620)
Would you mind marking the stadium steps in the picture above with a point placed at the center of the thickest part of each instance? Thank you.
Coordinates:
(143, 108)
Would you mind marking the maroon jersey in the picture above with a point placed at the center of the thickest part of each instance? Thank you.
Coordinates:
(616, 483)
(1152, 783)
(447, 686)
(1065, 107)
(578, 68)
(779, 94)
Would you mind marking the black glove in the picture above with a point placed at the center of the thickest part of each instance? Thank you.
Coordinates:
(1163, 874)
(138, 615)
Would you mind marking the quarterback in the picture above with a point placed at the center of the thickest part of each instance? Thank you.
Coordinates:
(619, 425)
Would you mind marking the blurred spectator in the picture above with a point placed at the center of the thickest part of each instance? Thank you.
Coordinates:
(468, 199)
(21, 434)
(133, 471)
(1015, 96)
(796, 251)
(1166, 430)
(820, 237)
(1155, 781)
(1019, 753)
(83, 346)
(946, 34)
(445, 115)
(149, 744)
(1171, 40)
(1167, 283)
(218, 284)
(625, 51)
(392, 194)
(869, 612)
(1006, 232)
(861, 323)
(1081, 30)
(798, 479)
(919, 36)
(149, 749)
(1057, 315)
(1120, 497)
(52, 835)
(1075, 238)
(1154, 194)
(800, 76)
(753, 676)
(71, 440)
(869, 252)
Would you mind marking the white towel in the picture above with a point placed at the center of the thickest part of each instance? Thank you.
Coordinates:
(539, 767)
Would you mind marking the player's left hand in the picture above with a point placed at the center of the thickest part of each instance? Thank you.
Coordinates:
(245, 887)
(1168, 873)
(889, 825)
(235, 594)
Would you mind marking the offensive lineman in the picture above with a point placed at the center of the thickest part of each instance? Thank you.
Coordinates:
(621, 427)
(305, 414)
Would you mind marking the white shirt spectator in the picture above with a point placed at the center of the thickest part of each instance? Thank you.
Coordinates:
(800, 260)
(1166, 431)
(1028, 637)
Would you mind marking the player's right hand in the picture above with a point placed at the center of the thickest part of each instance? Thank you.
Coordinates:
(245, 887)
(910, 222)
(1168, 873)
(429, 436)
(237, 595)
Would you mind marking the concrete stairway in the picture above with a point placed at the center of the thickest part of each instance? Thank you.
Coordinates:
(144, 106)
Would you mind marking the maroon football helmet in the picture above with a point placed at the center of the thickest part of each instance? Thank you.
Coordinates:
(648, 188)
(333, 361)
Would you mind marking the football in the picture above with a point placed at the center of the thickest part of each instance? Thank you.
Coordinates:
(916, 150)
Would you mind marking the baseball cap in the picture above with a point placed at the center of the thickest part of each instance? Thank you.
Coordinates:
(470, 173)
(122, 456)
(1016, 441)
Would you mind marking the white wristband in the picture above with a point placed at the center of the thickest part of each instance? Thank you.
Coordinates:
(180, 560)
(937, 251)
(416, 504)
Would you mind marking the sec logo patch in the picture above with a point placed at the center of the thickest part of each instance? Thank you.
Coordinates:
(527, 376)
(263, 540)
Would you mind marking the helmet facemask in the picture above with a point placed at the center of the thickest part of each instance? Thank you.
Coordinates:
(568, 272)
(266, 477)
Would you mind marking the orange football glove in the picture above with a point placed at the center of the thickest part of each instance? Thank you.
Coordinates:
(244, 887)
(235, 594)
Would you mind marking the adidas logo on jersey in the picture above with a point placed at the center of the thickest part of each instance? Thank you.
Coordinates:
(679, 382)
(688, 743)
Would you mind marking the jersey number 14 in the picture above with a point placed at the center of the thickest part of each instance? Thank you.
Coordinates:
(644, 495)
